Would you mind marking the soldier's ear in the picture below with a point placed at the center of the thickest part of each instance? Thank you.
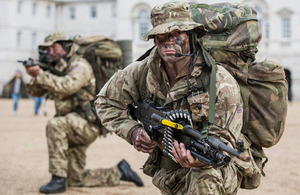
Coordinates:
(154, 41)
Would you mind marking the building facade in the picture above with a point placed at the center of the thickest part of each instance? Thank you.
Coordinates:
(25, 23)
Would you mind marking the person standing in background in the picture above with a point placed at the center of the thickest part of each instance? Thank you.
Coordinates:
(16, 85)
(37, 104)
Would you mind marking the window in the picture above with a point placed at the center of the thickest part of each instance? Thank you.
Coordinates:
(72, 12)
(285, 15)
(114, 11)
(19, 6)
(48, 11)
(143, 22)
(286, 27)
(93, 12)
(267, 29)
(33, 40)
(33, 9)
(19, 37)
(263, 20)
(259, 16)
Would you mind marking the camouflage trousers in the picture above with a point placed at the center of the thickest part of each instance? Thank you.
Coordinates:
(204, 181)
(68, 138)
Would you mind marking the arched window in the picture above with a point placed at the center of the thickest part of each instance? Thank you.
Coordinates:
(143, 22)
(286, 27)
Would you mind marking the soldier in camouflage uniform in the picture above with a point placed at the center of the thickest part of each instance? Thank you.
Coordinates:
(70, 133)
(162, 77)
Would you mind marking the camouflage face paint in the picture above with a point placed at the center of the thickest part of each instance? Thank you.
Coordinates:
(56, 52)
(170, 43)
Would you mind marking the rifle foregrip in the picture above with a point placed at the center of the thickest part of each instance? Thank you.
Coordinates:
(221, 146)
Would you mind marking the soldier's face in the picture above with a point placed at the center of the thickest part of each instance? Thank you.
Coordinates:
(170, 43)
(56, 52)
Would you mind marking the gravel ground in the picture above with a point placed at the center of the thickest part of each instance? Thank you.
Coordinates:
(24, 158)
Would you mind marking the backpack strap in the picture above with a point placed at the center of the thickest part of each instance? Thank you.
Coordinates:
(146, 54)
(142, 85)
(212, 94)
(212, 89)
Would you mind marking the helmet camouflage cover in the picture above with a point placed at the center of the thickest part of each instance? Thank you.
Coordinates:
(175, 15)
(52, 38)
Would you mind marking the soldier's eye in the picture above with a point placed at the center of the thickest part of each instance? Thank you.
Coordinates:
(177, 33)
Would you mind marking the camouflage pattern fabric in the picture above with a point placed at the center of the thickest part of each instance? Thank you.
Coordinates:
(123, 89)
(69, 134)
(268, 102)
(232, 39)
(78, 81)
(68, 138)
(106, 47)
(233, 36)
(198, 181)
(52, 38)
(231, 27)
(172, 16)
(103, 53)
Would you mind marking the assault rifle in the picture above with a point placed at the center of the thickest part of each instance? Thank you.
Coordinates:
(44, 61)
(29, 62)
(176, 125)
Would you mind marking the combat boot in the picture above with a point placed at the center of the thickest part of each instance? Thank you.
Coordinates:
(127, 174)
(56, 185)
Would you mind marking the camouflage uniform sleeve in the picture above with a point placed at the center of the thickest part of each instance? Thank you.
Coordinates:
(229, 108)
(113, 100)
(78, 75)
(34, 89)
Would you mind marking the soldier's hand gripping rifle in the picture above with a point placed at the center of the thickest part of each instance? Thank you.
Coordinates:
(29, 62)
(176, 125)
(44, 61)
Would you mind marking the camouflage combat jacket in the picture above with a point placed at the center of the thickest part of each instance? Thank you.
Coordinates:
(77, 85)
(124, 88)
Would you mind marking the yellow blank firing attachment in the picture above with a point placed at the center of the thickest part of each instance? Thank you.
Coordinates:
(171, 124)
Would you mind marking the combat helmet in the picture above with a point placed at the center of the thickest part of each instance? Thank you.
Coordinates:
(175, 15)
(52, 38)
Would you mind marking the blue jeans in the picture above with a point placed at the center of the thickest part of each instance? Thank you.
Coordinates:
(15, 97)
(37, 104)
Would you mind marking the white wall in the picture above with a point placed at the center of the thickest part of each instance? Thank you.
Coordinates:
(125, 27)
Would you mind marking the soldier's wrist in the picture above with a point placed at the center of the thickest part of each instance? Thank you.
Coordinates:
(130, 133)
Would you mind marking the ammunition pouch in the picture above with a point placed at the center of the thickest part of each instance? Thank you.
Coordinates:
(86, 110)
(250, 171)
(157, 161)
(252, 181)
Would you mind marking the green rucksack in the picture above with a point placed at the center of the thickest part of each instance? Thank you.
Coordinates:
(105, 56)
(232, 39)
(103, 53)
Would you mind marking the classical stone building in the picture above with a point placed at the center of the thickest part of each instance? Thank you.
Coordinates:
(24, 24)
